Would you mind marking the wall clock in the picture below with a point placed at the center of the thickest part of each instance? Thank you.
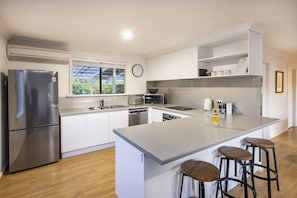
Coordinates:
(137, 70)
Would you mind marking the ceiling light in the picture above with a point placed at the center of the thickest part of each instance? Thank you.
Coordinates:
(127, 34)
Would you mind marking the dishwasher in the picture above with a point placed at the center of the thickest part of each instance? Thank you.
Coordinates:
(138, 116)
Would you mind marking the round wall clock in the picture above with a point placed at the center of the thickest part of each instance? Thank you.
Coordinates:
(137, 70)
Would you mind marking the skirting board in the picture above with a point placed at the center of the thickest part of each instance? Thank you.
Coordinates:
(3, 170)
(87, 150)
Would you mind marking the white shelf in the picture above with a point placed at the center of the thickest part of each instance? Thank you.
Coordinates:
(226, 52)
(223, 76)
(218, 58)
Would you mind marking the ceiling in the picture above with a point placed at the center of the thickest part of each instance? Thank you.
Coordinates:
(158, 25)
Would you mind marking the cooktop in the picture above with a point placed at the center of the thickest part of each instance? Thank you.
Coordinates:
(181, 108)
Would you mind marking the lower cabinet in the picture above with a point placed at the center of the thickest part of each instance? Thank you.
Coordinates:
(88, 130)
(129, 170)
(73, 132)
(156, 115)
(97, 128)
(117, 119)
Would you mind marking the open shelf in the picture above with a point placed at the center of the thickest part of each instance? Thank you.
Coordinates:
(218, 58)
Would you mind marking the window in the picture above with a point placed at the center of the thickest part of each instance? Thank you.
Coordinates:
(91, 78)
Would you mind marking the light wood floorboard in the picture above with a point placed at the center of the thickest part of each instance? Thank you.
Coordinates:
(92, 175)
(88, 175)
(286, 154)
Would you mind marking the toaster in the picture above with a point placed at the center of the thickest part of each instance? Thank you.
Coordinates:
(135, 100)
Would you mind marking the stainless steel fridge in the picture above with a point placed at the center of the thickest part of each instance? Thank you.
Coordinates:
(34, 132)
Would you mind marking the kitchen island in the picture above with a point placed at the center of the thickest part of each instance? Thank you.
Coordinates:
(148, 157)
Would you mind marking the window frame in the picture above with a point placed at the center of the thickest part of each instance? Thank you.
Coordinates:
(100, 64)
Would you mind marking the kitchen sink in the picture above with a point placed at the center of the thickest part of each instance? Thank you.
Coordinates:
(108, 107)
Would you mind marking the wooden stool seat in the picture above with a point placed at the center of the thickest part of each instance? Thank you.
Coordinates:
(263, 143)
(200, 170)
(235, 153)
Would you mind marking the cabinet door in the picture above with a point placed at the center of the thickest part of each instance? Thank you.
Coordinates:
(163, 67)
(73, 132)
(117, 119)
(129, 170)
(188, 63)
(97, 128)
(156, 115)
(176, 114)
(171, 65)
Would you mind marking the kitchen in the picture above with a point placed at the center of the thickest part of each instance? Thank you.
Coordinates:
(273, 106)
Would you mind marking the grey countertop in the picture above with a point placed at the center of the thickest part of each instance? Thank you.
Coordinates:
(76, 111)
(171, 140)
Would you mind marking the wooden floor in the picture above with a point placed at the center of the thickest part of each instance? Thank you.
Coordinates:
(286, 153)
(92, 175)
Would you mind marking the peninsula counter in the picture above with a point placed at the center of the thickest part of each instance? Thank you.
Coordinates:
(148, 157)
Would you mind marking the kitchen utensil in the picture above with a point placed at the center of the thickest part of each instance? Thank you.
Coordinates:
(228, 108)
(207, 104)
(153, 91)
(135, 100)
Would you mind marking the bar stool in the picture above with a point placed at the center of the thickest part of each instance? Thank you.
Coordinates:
(200, 171)
(244, 159)
(264, 145)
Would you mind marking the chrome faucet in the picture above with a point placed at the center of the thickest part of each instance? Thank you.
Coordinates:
(101, 103)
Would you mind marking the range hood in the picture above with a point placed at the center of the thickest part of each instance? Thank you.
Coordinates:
(31, 50)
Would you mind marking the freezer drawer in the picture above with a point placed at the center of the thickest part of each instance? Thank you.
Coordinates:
(33, 147)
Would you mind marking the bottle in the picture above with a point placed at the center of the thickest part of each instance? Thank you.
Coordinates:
(215, 117)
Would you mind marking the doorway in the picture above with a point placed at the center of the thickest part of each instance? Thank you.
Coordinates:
(292, 97)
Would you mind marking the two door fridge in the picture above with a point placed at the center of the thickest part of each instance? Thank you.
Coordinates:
(34, 130)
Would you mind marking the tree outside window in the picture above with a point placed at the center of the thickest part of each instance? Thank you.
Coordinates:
(92, 80)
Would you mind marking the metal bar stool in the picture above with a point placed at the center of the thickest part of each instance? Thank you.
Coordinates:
(201, 171)
(244, 159)
(264, 145)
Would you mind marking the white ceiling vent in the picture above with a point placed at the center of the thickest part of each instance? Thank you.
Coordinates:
(30, 50)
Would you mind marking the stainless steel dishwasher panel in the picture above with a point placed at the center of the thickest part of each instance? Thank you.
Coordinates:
(138, 116)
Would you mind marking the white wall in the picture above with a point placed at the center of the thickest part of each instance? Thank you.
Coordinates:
(63, 72)
(3, 68)
(133, 85)
(276, 104)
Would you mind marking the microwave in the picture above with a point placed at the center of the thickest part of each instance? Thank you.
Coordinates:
(153, 98)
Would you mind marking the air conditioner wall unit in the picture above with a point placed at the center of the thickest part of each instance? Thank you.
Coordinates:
(21, 49)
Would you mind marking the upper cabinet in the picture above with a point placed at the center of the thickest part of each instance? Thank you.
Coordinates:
(237, 51)
(175, 65)
(188, 62)
(239, 54)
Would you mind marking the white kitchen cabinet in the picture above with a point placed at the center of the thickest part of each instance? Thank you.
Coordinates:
(130, 177)
(175, 114)
(155, 115)
(117, 119)
(175, 65)
(97, 128)
(222, 55)
(85, 131)
(231, 53)
(188, 67)
(163, 67)
(73, 132)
